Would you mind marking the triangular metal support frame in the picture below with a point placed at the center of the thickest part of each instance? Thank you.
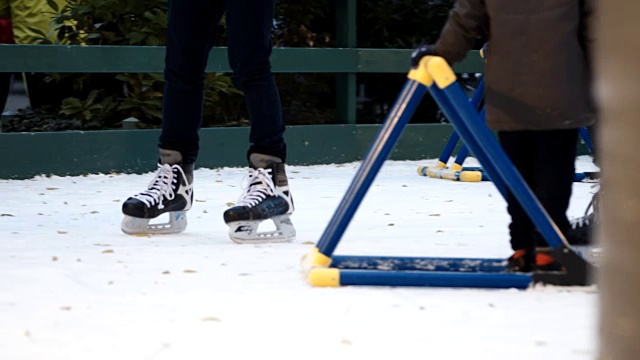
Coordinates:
(436, 76)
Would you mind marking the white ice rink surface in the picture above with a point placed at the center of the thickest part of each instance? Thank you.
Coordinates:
(72, 286)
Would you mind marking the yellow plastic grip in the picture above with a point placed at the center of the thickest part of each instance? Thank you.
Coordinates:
(420, 74)
(442, 73)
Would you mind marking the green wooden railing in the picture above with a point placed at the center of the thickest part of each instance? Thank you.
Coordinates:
(134, 150)
(344, 62)
(105, 59)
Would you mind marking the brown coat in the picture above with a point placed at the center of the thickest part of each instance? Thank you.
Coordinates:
(537, 72)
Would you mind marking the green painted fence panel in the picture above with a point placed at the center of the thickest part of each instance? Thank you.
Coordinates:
(86, 59)
(135, 151)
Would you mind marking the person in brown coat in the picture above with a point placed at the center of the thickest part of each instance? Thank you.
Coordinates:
(538, 95)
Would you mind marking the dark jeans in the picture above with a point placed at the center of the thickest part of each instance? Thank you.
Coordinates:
(190, 37)
(546, 161)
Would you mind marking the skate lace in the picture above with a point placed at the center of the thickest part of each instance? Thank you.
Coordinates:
(581, 222)
(161, 186)
(257, 185)
(589, 216)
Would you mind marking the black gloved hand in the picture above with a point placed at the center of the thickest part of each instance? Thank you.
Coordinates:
(420, 52)
(484, 51)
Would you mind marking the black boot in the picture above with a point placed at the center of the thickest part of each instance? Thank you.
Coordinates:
(171, 191)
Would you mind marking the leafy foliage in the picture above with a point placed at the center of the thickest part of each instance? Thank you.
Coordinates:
(103, 100)
(398, 24)
(142, 96)
(304, 23)
(85, 110)
(111, 22)
(123, 22)
(223, 104)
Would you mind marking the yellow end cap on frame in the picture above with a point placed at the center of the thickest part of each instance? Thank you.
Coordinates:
(315, 259)
(456, 167)
(421, 170)
(420, 73)
(470, 176)
(442, 73)
(325, 277)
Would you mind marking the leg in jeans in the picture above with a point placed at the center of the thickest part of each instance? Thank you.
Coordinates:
(519, 147)
(249, 24)
(190, 37)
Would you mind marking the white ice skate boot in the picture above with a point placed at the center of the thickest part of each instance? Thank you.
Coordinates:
(170, 191)
(265, 196)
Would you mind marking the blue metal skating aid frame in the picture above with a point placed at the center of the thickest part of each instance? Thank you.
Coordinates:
(457, 172)
(477, 97)
(584, 133)
(324, 269)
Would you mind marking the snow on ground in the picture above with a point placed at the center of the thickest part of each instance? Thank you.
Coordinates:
(72, 286)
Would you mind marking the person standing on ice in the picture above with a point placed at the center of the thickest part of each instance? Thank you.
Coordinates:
(190, 36)
(24, 22)
(538, 95)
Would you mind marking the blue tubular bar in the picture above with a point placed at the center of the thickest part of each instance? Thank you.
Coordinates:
(579, 177)
(456, 119)
(385, 141)
(584, 133)
(464, 150)
(436, 279)
(402, 263)
(477, 97)
(486, 148)
(462, 155)
(448, 149)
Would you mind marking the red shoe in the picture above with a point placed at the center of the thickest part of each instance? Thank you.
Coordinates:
(520, 261)
(528, 261)
(546, 262)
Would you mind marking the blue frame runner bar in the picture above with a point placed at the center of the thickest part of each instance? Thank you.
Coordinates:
(437, 77)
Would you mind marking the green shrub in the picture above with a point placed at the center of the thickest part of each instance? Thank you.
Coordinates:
(104, 100)
(124, 22)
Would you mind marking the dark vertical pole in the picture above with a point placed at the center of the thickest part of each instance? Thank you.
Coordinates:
(346, 83)
(617, 79)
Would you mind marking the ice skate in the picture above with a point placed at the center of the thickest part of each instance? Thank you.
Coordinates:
(170, 191)
(265, 196)
(581, 230)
